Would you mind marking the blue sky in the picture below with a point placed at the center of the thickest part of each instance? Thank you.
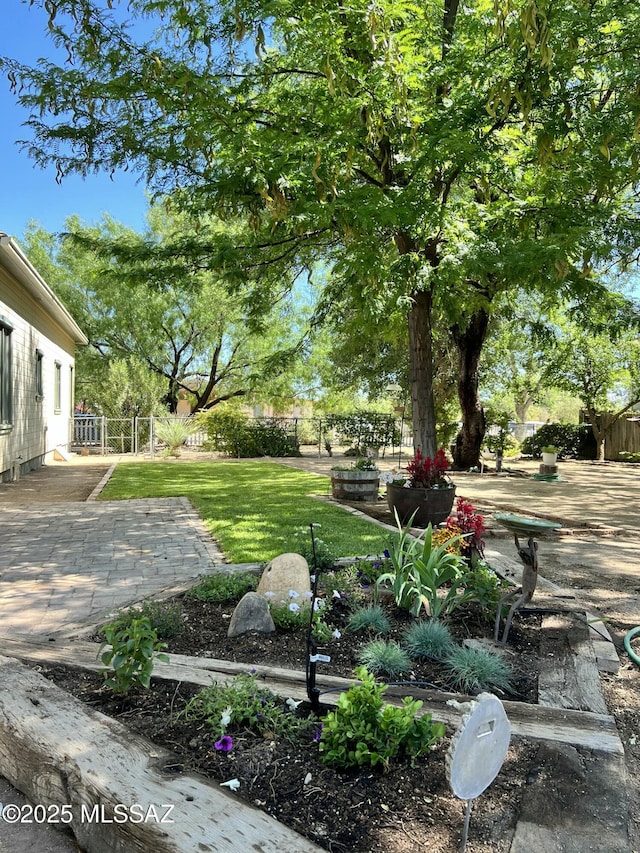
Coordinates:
(28, 192)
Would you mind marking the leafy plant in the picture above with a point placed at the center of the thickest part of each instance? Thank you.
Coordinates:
(428, 638)
(223, 587)
(364, 731)
(324, 557)
(133, 648)
(231, 431)
(574, 441)
(347, 583)
(371, 618)
(384, 657)
(174, 432)
(426, 472)
(424, 574)
(165, 617)
(366, 463)
(244, 703)
(290, 616)
(468, 523)
(474, 670)
(484, 587)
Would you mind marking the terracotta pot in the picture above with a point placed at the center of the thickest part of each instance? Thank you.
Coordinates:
(354, 485)
(431, 506)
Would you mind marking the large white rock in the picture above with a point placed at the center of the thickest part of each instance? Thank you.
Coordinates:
(285, 573)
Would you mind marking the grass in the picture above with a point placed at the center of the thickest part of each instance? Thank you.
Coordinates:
(252, 509)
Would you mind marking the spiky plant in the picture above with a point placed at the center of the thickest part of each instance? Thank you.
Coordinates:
(174, 432)
(384, 657)
(371, 618)
(428, 638)
(474, 670)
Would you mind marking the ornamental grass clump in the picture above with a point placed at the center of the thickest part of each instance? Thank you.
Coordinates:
(364, 731)
(474, 670)
(428, 639)
(384, 657)
(371, 618)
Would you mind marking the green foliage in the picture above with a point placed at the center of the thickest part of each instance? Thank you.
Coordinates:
(223, 587)
(428, 638)
(474, 670)
(370, 618)
(290, 616)
(574, 441)
(384, 657)
(165, 617)
(231, 431)
(251, 509)
(324, 556)
(484, 587)
(133, 648)
(346, 581)
(245, 704)
(627, 456)
(498, 438)
(363, 731)
(424, 574)
(363, 430)
(174, 432)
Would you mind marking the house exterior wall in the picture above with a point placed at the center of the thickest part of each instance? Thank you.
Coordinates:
(39, 421)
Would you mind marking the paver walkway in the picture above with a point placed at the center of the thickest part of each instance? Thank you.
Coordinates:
(67, 565)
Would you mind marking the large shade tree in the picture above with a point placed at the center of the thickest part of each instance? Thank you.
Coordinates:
(433, 154)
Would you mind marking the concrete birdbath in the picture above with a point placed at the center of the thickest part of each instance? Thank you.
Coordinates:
(521, 525)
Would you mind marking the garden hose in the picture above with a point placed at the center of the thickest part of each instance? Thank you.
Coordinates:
(627, 644)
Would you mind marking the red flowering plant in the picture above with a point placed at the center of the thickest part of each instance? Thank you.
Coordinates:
(428, 472)
(465, 521)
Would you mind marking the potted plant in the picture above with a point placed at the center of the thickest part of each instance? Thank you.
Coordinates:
(357, 482)
(426, 493)
(549, 454)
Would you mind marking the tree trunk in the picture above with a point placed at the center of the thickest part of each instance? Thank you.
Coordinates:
(468, 444)
(421, 373)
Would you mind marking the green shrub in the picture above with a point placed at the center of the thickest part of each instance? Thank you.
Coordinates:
(428, 638)
(421, 571)
(346, 582)
(289, 616)
(384, 657)
(371, 618)
(574, 441)
(474, 670)
(231, 431)
(324, 555)
(244, 703)
(223, 587)
(164, 616)
(364, 731)
(134, 647)
(484, 587)
(363, 430)
(174, 432)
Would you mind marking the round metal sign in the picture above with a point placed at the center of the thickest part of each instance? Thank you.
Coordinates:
(478, 750)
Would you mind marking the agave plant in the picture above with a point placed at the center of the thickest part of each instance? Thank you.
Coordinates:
(424, 574)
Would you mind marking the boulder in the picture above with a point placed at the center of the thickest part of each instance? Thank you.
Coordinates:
(284, 573)
(251, 614)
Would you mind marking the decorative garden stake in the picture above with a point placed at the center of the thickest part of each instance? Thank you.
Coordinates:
(312, 649)
(477, 750)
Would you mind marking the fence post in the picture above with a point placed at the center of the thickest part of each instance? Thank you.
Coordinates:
(152, 438)
(103, 435)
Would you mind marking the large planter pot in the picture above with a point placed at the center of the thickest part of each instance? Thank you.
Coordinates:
(549, 458)
(431, 506)
(354, 485)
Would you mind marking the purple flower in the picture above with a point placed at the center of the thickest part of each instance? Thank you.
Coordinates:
(225, 744)
(317, 734)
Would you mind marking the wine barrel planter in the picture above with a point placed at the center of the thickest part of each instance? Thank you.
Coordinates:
(431, 506)
(354, 485)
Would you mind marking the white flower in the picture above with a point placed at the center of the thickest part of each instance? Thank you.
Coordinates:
(308, 595)
(312, 578)
(269, 594)
(336, 634)
(386, 477)
(318, 604)
(293, 607)
(225, 718)
(336, 594)
(293, 704)
(294, 594)
(231, 784)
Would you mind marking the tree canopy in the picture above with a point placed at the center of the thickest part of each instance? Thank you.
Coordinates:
(432, 154)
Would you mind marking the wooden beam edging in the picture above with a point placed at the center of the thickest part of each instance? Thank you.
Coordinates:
(59, 753)
(537, 722)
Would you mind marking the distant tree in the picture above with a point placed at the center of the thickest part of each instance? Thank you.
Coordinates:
(146, 308)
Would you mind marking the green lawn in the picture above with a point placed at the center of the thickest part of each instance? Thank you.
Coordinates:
(252, 509)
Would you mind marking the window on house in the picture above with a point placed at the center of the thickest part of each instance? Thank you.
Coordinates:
(57, 387)
(39, 382)
(6, 376)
